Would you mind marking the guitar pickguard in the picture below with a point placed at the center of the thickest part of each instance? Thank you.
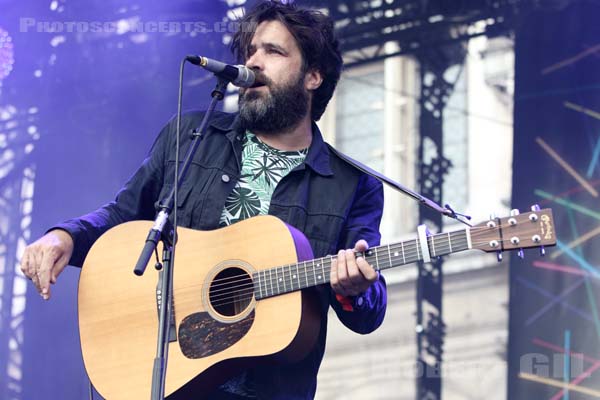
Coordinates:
(200, 335)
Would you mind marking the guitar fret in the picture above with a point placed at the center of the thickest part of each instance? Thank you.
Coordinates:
(284, 280)
(271, 282)
(305, 275)
(298, 277)
(403, 257)
(450, 242)
(256, 288)
(417, 245)
(288, 278)
(258, 282)
(376, 259)
(314, 273)
(320, 265)
(292, 278)
(261, 280)
(433, 246)
(389, 255)
(329, 274)
(280, 279)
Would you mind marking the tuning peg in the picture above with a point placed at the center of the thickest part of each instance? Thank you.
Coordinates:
(499, 256)
(492, 222)
(536, 207)
(512, 221)
(521, 254)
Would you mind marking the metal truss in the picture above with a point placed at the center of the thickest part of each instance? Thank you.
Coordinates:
(364, 26)
(435, 92)
(18, 133)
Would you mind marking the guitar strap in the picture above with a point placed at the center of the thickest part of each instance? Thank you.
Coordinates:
(393, 184)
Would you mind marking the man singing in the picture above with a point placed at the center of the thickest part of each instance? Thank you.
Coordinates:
(269, 158)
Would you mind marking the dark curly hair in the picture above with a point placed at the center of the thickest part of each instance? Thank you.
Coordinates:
(314, 35)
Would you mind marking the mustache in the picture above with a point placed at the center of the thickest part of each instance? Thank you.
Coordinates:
(260, 79)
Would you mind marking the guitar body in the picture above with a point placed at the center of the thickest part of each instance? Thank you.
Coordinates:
(221, 328)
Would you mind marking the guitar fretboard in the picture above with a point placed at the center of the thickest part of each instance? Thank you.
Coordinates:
(289, 278)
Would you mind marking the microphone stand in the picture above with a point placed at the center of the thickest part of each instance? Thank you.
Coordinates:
(165, 232)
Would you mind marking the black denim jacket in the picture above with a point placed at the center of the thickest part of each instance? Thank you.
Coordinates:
(327, 199)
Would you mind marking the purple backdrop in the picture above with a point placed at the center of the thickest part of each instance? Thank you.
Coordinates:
(103, 92)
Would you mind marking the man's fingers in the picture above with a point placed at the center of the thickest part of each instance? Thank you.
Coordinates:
(25, 264)
(351, 275)
(36, 282)
(341, 274)
(367, 271)
(45, 271)
(333, 278)
(361, 245)
(354, 275)
(35, 260)
(59, 266)
(31, 261)
(46, 258)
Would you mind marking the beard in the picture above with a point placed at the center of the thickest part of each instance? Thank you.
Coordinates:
(274, 112)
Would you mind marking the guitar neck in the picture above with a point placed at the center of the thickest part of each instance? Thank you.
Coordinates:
(289, 278)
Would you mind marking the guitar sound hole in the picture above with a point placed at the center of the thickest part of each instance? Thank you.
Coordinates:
(231, 291)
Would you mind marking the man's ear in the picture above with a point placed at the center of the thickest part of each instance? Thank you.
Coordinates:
(313, 79)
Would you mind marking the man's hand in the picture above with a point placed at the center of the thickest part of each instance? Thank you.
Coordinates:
(351, 276)
(45, 259)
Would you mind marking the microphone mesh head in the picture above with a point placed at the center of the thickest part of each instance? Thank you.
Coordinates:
(245, 78)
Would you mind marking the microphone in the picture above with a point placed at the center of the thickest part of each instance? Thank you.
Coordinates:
(239, 75)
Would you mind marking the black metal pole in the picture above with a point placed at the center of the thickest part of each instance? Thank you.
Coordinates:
(169, 241)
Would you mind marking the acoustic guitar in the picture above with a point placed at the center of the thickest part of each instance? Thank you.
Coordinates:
(237, 297)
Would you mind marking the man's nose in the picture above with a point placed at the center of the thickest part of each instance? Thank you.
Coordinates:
(255, 61)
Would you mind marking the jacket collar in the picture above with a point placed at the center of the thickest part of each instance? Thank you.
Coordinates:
(318, 154)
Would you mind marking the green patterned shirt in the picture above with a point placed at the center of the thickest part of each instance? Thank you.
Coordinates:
(262, 168)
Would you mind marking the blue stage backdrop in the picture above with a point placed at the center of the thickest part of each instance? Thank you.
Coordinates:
(102, 95)
(554, 343)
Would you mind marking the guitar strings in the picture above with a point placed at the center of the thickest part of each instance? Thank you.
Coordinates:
(409, 250)
(303, 267)
(410, 255)
(245, 293)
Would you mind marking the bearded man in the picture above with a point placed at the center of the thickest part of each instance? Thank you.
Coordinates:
(270, 158)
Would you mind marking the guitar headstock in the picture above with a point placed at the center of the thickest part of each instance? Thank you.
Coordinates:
(534, 228)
